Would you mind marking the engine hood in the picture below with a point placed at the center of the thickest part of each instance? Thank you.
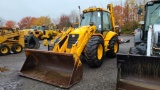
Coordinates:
(80, 30)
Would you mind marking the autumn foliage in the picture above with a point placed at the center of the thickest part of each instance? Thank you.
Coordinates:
(125, 16)
(43, 20)
(26, 22)
(64, 21)
(10, 23)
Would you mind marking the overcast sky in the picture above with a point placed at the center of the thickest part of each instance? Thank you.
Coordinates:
(17, 9)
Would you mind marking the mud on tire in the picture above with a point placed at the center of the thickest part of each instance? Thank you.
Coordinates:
(91, 51)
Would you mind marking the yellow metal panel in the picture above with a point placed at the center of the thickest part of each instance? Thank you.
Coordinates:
(107, 38)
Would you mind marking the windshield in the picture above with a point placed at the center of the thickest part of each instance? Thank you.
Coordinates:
(153, 15)
(94, 17)
(40, 28)
(32, 27)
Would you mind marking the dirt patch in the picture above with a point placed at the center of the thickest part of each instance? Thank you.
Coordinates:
(3, 69)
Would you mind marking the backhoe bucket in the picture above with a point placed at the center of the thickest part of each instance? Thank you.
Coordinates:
(138, 72)
(60, 69)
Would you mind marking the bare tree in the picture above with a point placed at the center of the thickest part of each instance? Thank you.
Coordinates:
(73, 16)
(2, 21)
(55, 21)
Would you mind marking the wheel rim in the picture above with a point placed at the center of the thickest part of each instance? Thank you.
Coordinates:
(115, 47)
(4, 50)
(18, 48)
(100, 52)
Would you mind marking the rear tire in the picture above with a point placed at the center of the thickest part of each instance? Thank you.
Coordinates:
(17, 48)
(113, 46)
(4, 49)
(94, 51)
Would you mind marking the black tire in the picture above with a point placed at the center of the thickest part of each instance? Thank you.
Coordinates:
(91, 50)
(16, 48)
(111, 53)
(4, 47)
(32, 42)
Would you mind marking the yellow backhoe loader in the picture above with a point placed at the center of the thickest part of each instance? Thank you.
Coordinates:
(14, 41)
(140, 69)
(62, 65)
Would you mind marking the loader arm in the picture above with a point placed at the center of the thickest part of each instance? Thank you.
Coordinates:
(60, 46)
(79, 46)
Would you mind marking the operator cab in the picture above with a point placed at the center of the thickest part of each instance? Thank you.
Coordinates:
(152, 11)
(99, 17)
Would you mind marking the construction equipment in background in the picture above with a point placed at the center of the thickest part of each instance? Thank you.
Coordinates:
(58, 34)
(38, 32)
(44, 32)
(118, 29)
(28, 32)
(50, 32)
(75, 25)
(140, 69)
(12, 40)
(62, 66)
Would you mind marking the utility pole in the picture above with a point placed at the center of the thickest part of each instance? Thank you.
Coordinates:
(121, 14)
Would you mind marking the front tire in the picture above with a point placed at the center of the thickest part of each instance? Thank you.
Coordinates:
(94, 51)
(4, 49)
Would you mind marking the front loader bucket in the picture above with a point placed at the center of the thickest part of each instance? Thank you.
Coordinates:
(138, 72)
(58, 69)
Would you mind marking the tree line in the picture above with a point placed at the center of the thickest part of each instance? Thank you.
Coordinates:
(125, 16)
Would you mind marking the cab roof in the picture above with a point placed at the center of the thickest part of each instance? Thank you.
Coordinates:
(92, 9)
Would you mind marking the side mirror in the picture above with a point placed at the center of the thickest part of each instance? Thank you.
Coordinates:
(139, 11)
(82, 16)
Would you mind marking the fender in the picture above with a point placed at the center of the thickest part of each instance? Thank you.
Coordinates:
(109, 35)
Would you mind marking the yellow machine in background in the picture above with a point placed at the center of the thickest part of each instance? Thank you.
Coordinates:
(44, 32)
(28, 32)
(57, 34)
(38, 32)
(62, 65)
(50, 32)
(12, 40)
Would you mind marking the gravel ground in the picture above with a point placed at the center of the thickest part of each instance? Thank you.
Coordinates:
(103, 78)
